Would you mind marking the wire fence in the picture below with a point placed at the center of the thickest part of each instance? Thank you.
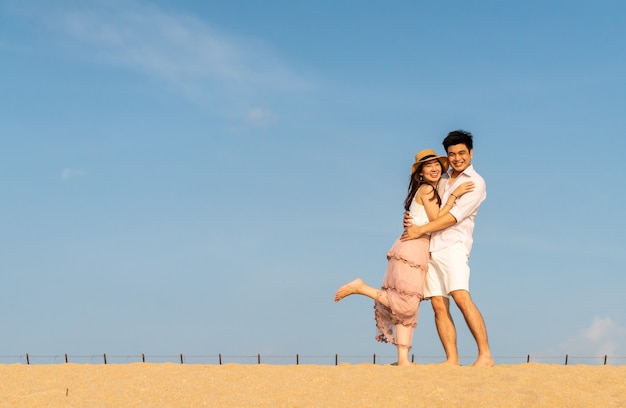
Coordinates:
(297, 359)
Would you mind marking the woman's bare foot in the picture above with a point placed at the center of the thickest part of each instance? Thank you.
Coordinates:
(349, 288)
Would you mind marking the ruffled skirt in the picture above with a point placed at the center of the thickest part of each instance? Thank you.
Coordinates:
(404, 286)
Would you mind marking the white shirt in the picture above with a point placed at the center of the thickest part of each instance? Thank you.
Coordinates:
(464, 210)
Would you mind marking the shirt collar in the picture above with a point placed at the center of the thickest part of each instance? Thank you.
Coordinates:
(469, 171)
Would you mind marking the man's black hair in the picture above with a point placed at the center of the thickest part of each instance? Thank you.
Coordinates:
(458, 137)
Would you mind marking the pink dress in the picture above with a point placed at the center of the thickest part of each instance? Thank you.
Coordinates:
(403, 282)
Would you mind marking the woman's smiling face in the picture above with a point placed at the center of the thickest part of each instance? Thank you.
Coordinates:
(431, 171)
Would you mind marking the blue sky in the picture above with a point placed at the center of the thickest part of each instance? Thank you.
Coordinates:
(199, 177)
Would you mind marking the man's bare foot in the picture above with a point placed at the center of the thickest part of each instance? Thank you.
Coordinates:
(349, 288)
(483, 361)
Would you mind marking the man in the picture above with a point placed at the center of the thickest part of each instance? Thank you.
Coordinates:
(450, 246)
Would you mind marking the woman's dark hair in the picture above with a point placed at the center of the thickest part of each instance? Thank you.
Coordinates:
(458, 137)
(415, 182)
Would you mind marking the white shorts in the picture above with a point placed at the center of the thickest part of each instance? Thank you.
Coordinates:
(448, 270)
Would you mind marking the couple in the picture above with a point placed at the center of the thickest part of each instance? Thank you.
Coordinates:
(432, 266)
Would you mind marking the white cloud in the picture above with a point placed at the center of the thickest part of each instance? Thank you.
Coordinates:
(68, 173)
(179, 48)
(602, 337)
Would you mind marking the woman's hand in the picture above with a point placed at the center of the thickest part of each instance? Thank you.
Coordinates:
(463, 188)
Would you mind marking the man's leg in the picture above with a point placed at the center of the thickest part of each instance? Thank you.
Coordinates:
(445, 328)
(476, 324)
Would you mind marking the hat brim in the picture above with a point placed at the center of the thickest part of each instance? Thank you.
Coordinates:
(443, 160)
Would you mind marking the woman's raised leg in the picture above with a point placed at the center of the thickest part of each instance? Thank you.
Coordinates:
(358, 287)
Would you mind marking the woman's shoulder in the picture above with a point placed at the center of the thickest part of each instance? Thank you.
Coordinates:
(425, 189)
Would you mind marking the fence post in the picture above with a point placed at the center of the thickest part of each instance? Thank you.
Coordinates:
(182, 359)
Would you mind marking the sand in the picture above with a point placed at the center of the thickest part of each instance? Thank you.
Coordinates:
(309, 385)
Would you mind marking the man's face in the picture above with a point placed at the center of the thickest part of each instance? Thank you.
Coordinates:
(460, 157)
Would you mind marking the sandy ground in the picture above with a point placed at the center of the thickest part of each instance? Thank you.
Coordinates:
(308, 385)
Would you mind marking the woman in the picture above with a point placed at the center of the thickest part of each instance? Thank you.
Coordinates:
(397, 302)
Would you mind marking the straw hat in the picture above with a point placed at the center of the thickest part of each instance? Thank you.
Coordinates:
(427, 155)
